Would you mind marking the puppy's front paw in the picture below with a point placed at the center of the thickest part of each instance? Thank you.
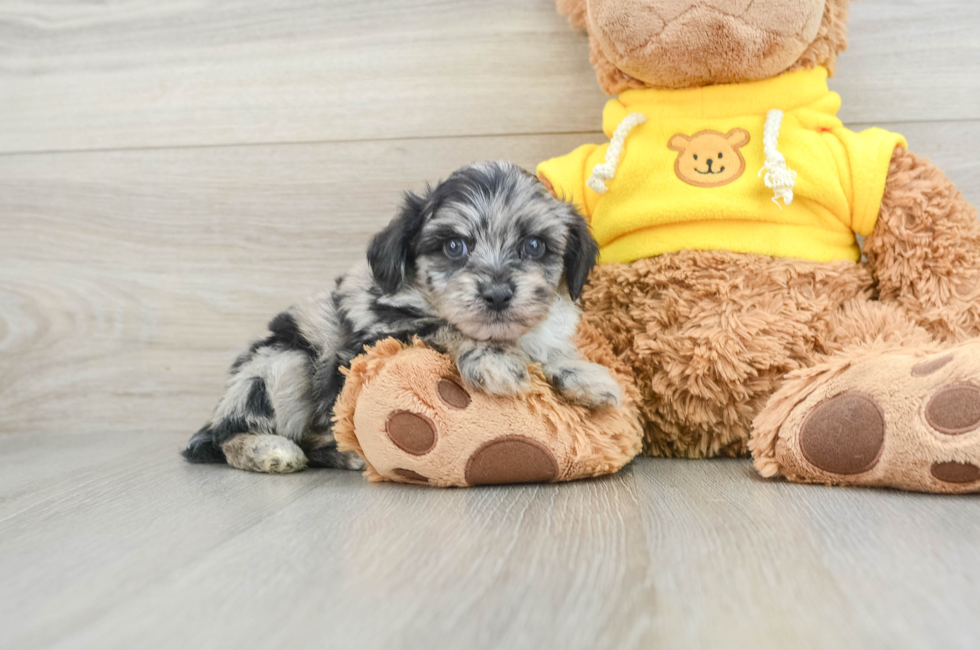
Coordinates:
(588, 384)
(496, 373)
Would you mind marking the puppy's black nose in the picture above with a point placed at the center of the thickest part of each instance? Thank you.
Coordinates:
(497, 296)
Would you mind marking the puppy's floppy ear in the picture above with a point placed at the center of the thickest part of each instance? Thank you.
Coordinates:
(581, 254)
(390, 253)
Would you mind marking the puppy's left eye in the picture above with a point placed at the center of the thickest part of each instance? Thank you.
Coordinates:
(533, 248)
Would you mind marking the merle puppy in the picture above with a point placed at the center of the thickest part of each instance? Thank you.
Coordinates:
(484, 267)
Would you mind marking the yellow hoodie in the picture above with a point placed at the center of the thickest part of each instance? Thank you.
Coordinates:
(685, 171)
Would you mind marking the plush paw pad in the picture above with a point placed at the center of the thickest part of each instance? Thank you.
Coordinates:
(453, 394)
(954, 472)
(502, 460)
(412, 433)
(511, 459)
(410, 475)
(452, 436)
(893, 420)
(954, 409)
(844, 434)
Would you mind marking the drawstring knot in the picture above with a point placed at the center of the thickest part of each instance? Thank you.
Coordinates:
(777, 176)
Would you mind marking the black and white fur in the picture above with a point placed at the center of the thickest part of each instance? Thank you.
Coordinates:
(506, 302)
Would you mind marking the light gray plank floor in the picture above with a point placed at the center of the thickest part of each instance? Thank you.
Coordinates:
(113, 542)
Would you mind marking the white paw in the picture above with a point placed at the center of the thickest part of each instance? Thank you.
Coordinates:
(354, 461)
(264, 453)
(588, 384)
(496, 373)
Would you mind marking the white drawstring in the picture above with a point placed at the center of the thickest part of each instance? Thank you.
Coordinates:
(607, 170)
(778, 177)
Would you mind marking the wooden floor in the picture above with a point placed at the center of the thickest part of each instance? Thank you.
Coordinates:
(173, 173)
(109, 542)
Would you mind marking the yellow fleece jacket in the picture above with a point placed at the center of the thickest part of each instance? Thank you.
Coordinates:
(686, 172)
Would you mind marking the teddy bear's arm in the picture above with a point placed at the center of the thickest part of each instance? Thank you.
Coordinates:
(924, 250)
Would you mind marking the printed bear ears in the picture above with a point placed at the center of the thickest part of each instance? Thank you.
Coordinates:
(735, 138)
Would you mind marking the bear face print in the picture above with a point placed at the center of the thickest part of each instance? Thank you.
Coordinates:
(709, 158)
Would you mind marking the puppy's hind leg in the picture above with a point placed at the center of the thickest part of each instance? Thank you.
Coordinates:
(266, 453)
(276, 408)
(265, 409)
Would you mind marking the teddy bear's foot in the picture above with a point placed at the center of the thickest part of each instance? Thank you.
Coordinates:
(900, 419)
(406, 411)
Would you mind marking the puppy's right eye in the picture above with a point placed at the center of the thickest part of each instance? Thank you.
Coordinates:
(455, 249)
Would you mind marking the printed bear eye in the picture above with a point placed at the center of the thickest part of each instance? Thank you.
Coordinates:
(455, 249)
(695, 156)
(719, 154)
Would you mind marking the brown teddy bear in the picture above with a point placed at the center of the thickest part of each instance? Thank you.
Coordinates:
(732, 301)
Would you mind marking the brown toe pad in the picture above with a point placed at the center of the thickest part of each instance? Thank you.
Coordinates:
(410, 475)
(453, 394)
(954, 409)
(511, 459)
(929, 366)
(412, 433)
(953, 472)
(844, 434)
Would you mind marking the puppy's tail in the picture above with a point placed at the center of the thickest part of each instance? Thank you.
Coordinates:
(202, 449)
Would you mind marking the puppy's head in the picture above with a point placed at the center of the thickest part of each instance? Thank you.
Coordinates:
(488, 247)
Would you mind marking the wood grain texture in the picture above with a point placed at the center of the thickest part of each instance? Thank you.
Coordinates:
(132, 279)
(149, 74)
(142, 550)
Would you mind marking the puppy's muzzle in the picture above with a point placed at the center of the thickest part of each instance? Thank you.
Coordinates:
(497, 296)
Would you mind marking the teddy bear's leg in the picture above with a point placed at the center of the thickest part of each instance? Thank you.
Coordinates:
(925, 249)
(893, 409)
(405, 410)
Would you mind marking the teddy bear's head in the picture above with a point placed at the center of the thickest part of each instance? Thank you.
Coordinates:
(687, 43)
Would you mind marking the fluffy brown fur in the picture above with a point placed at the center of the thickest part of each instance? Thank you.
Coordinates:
(710, 335)
(925, 249)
